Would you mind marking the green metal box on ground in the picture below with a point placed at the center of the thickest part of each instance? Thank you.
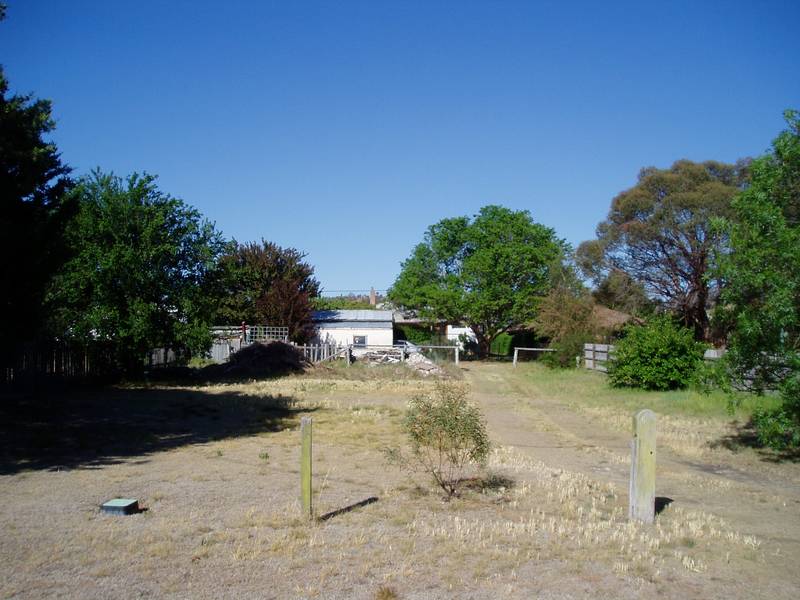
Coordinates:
(121, 506)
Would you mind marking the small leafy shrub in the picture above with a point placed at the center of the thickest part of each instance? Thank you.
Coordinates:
(447, 435)
(264, 455)
(656, 356)
(780, 428)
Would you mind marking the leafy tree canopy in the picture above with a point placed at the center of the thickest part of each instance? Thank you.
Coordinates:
(659, 233)
(618, 291)
(761, 297)
(33, 210)
(140, 272)
(488, 272)
(342, 303)
(264, 284)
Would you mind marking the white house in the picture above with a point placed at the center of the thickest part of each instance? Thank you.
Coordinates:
(361, 328)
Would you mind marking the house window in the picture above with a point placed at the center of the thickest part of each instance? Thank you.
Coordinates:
(360, 341)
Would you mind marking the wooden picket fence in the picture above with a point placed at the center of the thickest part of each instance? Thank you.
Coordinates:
(317, 353)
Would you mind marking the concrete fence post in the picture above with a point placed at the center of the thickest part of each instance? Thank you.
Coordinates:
(642, 504)
(516, 353)
(305, 467)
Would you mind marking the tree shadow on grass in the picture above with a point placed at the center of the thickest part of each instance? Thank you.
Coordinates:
(745, 436)
(92, 428)
(346, 509)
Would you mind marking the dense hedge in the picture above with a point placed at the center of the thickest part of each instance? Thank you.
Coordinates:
(656, 356)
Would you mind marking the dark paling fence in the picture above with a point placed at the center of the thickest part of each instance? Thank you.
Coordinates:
(56, 361)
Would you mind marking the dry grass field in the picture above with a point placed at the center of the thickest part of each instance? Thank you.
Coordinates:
(217, 469)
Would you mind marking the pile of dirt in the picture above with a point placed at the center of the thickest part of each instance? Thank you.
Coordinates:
(259, 360)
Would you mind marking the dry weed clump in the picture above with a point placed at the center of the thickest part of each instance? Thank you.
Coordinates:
(385, 592)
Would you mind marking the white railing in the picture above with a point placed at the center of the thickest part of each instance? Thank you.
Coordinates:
(517, 350)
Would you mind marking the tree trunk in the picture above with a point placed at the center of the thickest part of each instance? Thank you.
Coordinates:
(484, 342)
(696, 315)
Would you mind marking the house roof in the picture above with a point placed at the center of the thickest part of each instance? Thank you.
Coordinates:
(608, 318)
(356, 316)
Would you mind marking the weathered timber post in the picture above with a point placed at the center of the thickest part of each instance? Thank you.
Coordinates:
(347, 355)
(402, 354)
(305, 467)
(516, 353)
(457, 350)
(642, 504)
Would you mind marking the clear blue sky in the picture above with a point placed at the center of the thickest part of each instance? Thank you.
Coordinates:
(344, 129)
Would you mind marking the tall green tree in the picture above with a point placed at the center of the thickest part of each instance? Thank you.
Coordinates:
(659, 233)
(141, 270)
(761, 275)
(265, 284)
(488, 272)
(34, 211)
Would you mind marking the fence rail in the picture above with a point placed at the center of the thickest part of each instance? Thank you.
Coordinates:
(517, 349)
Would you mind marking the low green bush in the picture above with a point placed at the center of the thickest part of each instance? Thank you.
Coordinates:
(779, 428)
(657, 356)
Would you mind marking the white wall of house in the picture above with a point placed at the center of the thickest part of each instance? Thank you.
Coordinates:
(343, 336)
(454, 333)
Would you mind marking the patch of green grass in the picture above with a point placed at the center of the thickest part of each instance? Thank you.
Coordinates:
(198, 362)
(591, 388)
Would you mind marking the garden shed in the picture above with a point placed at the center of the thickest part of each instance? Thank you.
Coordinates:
(361, 328)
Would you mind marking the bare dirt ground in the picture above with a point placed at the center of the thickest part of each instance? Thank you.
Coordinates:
(216, 467)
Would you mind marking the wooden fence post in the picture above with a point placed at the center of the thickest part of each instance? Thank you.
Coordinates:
(642, 504)
(516, 353)
(457, 350)
(305, 467)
